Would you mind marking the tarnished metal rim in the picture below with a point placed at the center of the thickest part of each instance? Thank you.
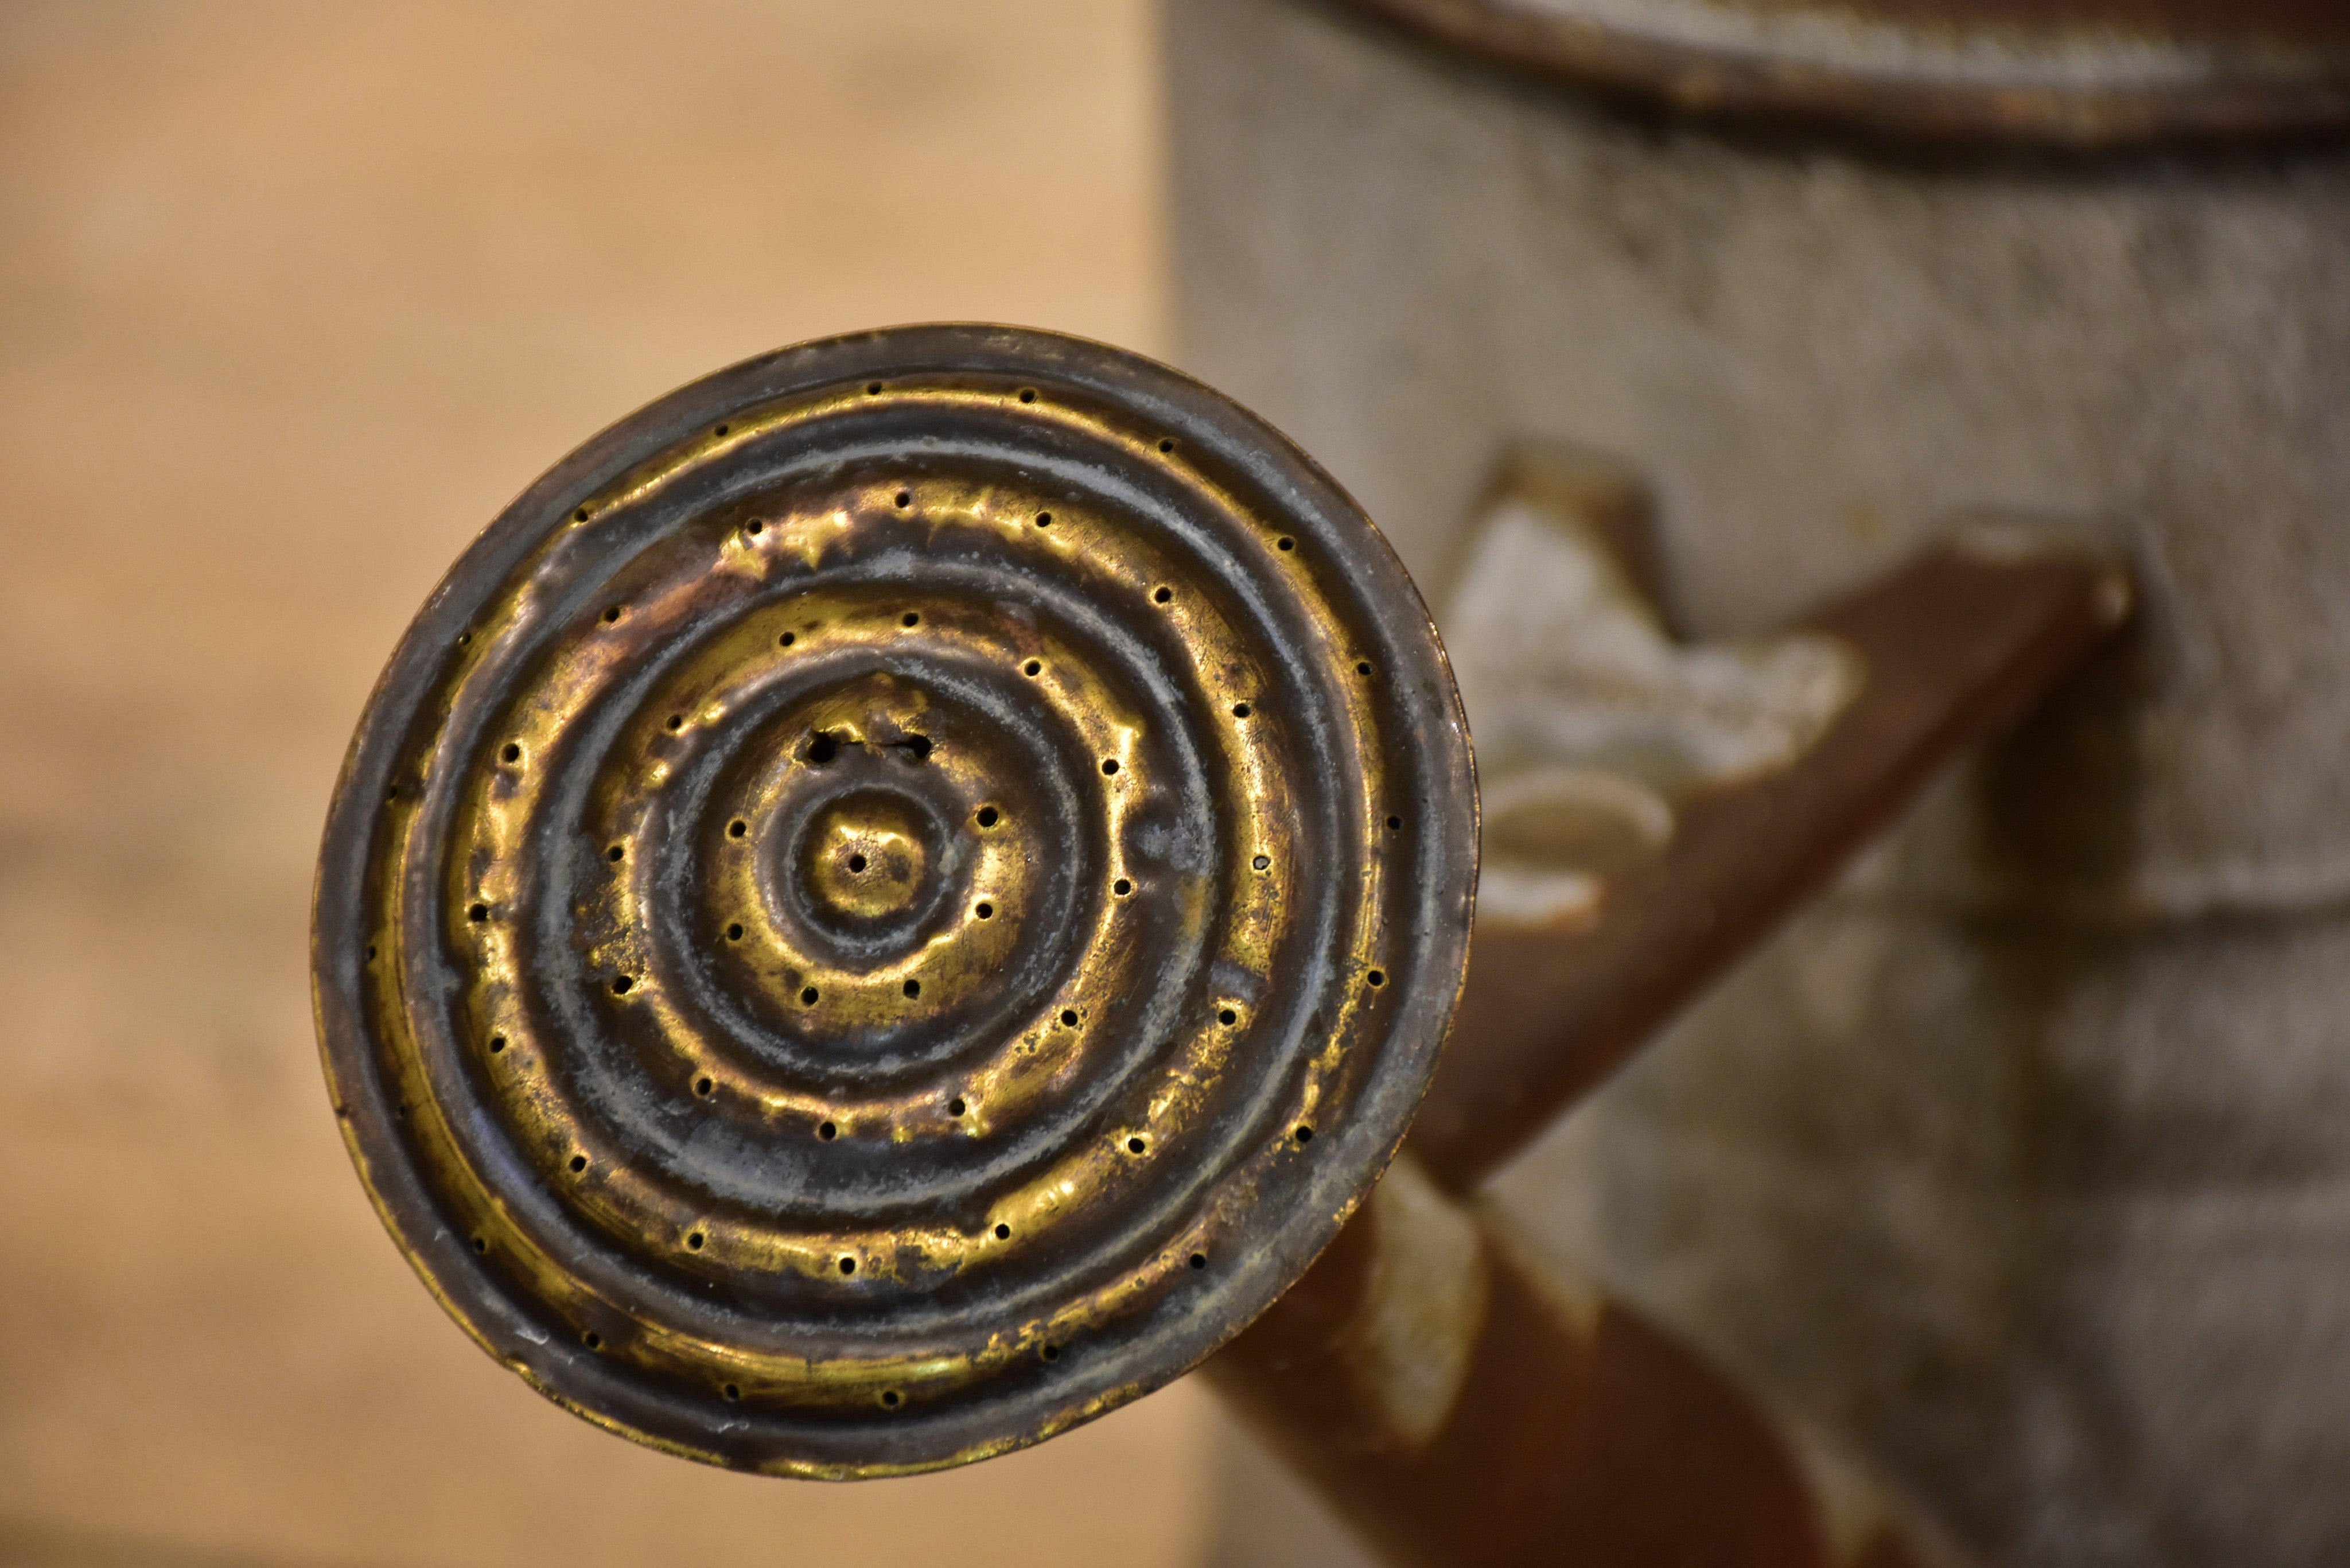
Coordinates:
(2079, 88)
(894, 900)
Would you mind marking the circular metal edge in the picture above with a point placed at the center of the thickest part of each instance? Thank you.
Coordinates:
(1268, 458)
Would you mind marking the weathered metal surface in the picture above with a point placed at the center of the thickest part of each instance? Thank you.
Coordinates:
(1457, 1404)
(2086, 73)
(1451, 1400)
(894, 900)
(2014, 1162)
(1951, 647)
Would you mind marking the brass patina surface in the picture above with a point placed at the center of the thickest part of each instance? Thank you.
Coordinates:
(2074, 73)
(895, 900)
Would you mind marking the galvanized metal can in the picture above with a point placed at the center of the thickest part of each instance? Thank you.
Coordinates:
(2013, 1164)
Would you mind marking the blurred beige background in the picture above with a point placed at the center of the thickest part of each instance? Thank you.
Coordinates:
(292, 298)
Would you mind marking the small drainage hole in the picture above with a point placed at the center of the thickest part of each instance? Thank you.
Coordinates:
(1304, 1134)
(1121, 886)
(956, 1107)
(985, 911)
(735, 933)
(913, 988)
(512, 752)
(478, 912)
(1110, 765)
(578, 1163)
(694, 1240)
(847, 1265)
(620, 984)
(702, 1086)
(1069, 1018)
(988, 816)
(856, 863)
(827, 1132)
(1135, 1146)
(1163, 594)
(497, 1043)
(592, 1340)
(1240, 710)
(807, 997)
(1199, 1259)
(1228, 1016)
(1377, 977)
(737, 828)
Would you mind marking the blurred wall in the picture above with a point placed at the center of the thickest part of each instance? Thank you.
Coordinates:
(293, 298)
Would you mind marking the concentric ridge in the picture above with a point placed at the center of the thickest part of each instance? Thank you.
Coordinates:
(894, 900)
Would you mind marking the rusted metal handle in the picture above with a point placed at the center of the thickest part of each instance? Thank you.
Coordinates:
(1459, 1403)
(1954, 645)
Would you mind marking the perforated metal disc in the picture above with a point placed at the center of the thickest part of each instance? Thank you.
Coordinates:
(894, 900)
